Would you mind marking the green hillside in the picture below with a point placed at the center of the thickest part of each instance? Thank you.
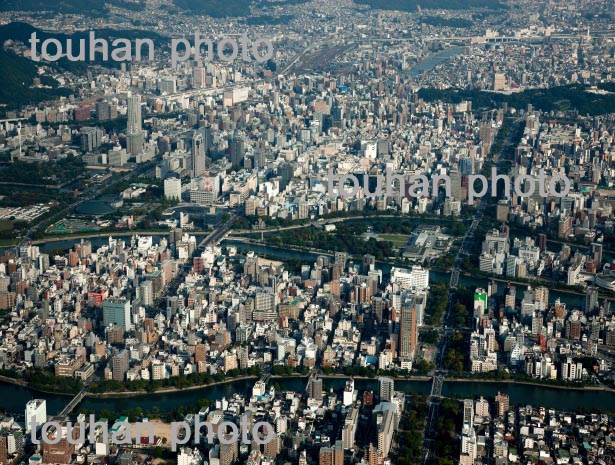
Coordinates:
(68, 6)
(15, 89)
(413, 5)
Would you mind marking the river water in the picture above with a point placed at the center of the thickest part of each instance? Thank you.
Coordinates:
(431, 61)
(13, 398)
(573, 300)
(310, 257)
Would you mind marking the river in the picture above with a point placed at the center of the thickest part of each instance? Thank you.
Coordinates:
(285, 254)
(431, 61)
(434, 276)
(13, 398)
(282, 254)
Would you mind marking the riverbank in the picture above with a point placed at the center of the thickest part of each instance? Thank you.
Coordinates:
(375, 378)
(169, 390)
(298, 376)
(13, 397)
(533, 282)
(112, 233)
(600, 387)
(16, 382)
(25, 384)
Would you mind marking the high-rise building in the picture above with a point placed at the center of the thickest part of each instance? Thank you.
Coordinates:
(482, 407)
(387, 386)
(117, 311)
(333, 455)
(499, 82)
(386, 428)
(455, 176)
(502, 403)
(238, 151)
(199, 163)
(466, 165)
(11, 443)
(173, 188)
(374, 457)
(468, 445)
(591, 299)
(134, 130)
(349, 430)
(36, 409)
(348, 396)
(207, 137)
(198, 77)
(229, 452)
(105, 111)
(480, 303)
(167, 85)
(571, 370)
(416, 278)
(146, 293)
(315, 388)
(200, 353)
(120, 364)
(4, 448)
(468, 412)
(91, 138)
(408, 334)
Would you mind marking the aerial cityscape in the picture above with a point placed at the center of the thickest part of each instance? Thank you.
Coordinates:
(307, 232)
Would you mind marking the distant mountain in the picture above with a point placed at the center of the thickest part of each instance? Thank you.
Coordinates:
(15, 89)
(18, 72)
(561, 98)
(22, 32)
(68, 6)
(214, 8)
(413, 5)
(229, 8)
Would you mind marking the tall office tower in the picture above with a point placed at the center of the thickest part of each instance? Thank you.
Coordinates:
(207, 137)
(238, 151)
(455, 184)
(502, 403)
(120, 364)
(285, 170)
(105, 111)
(387, 386)
(36, 409)
(229, 451)
(198, 78)
(597, 252)
(466, 165)
(408, 334)
(591, 299)
(198, 155)
(468, 412)
(315, 388)
(134, 131)
(480, 302)
(173, 188)
(333, 455)
(117, 311)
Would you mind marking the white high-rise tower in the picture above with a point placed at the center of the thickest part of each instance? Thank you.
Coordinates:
(134, 131)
